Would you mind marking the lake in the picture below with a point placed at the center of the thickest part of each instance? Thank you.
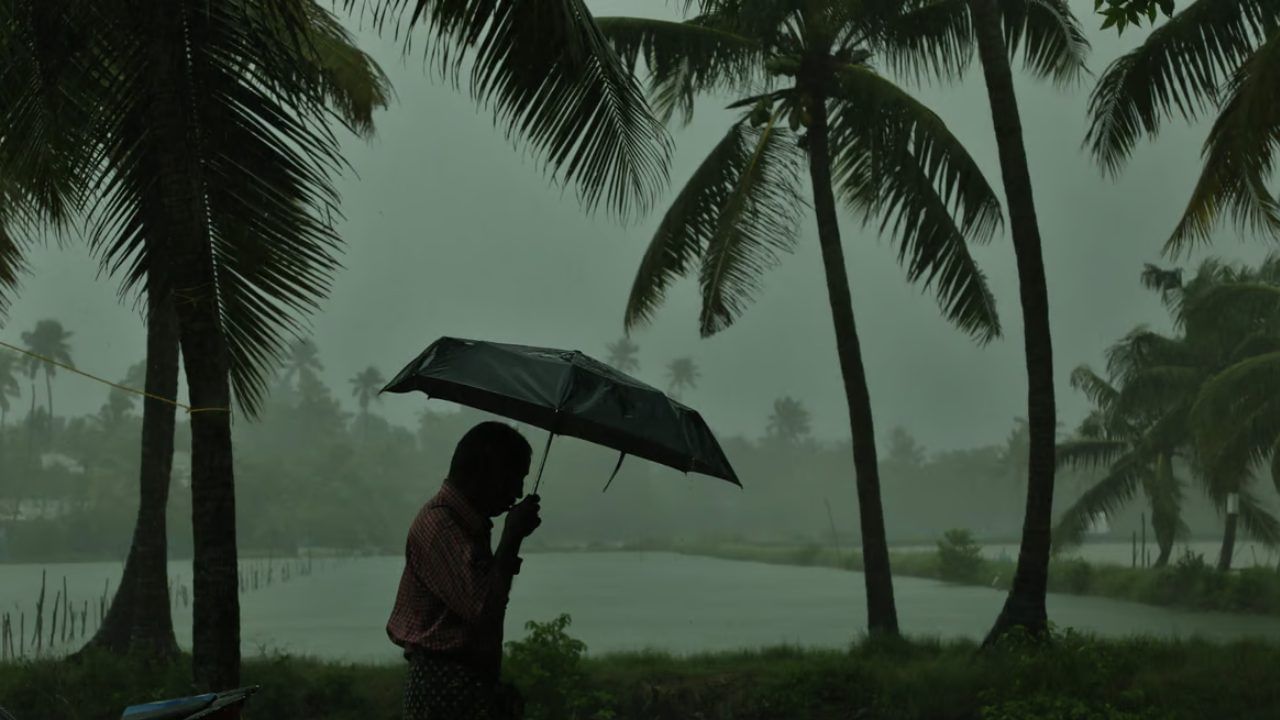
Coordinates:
(629, 601)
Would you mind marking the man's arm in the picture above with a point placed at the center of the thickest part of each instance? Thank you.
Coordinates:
(446, 562)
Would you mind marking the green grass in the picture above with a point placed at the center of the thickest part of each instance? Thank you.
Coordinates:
(1188, 583)
(1074, 678)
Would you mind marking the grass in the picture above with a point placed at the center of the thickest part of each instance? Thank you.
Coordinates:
(1188, 583)
(1073, 678)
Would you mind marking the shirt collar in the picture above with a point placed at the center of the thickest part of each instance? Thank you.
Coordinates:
(452, 498)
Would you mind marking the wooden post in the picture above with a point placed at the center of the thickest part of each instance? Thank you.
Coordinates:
(1134, 562)
(38, 641)
(53, 628)
(66, 610)
(1144, 539)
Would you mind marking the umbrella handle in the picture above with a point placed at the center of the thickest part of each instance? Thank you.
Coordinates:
(545, 451)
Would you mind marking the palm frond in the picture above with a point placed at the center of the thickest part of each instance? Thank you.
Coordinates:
(1257, 521)
(1100, 392)
(685, 58)
(928, 38)
(1239, 156)
(727, 199)
(1237, 414)
(12, 262)
(1177, 70)
(894, 159)
(756, 222)
(1107, 496)
(551, 79)
(1087, 453)
(1052, 43)
(259, 135)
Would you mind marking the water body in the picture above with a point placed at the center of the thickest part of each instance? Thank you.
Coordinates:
(626, 601)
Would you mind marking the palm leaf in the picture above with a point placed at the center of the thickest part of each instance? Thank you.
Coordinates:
(1108, 495)
(12, 265)
(259, 134)
(551, 79)
(1257, 521)
(895, 159)
(685, 58)
(936, 37)
(756, 222)
(1176, 71)
(1237, 414)
(1088, 453)
(1100, 392)
(1239, 156)
(724, 196)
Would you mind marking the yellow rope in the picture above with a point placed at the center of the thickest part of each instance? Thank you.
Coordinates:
(117, 386)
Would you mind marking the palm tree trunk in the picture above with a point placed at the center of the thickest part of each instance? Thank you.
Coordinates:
(139, 620)
(1228, 541)
(48, 389)
(1025, 604)
(189, 260)
(882, 616)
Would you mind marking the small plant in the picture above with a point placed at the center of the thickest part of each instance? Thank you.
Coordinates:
(959, 557)
(546, 667)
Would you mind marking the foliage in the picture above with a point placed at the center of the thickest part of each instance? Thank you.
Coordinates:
(1122, 13)
(547, 667)
(959, 556)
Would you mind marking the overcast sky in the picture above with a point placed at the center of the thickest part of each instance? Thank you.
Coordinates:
(452, 231)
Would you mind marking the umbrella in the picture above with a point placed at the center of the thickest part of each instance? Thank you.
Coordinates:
(567, 393)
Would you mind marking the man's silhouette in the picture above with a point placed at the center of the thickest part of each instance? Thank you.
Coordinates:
(453, 594)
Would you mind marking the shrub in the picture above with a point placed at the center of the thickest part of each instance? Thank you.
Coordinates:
(959, 557)
(547, 669)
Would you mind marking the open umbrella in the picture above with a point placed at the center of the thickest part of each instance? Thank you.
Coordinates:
(567, 393)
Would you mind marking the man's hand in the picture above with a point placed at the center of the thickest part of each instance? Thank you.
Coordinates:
(522, 519)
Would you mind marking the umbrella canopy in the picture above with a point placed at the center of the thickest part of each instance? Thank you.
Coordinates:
(567, 393)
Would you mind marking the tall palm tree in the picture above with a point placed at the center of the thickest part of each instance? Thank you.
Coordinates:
(1211, 58)
(9, 386)
(212, 155)
(789, 421)
(49, 341)
(622, 355)
(811, 100)
(365, 386)
(682, 373)
(944, 37)
(303, 357)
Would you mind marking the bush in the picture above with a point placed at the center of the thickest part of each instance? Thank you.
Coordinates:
(959, 557)
(547, 669)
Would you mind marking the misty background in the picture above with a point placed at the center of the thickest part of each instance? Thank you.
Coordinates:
(450, 231)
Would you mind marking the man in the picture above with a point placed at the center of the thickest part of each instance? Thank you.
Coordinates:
(453, 594)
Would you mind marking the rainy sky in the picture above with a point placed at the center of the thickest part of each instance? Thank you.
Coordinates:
(451, 230)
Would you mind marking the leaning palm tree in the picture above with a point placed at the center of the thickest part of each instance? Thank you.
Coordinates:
(1122, 440)
(1212, 58)
(212, 156)
(941, 37)
(789, 421)
(622, 355)
(682, 373)
(49, 341)
(365, 386)
(1236, 416)
(811, 100)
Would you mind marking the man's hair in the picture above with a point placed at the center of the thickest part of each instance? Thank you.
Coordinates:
(488, 449)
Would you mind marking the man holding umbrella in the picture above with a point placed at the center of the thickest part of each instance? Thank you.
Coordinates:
(453, 594)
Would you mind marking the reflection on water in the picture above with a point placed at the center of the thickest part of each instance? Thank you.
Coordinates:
(628, 601)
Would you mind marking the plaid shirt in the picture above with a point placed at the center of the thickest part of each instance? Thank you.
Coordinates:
(453, 593)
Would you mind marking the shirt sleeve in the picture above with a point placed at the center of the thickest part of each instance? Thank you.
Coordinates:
(471, 584)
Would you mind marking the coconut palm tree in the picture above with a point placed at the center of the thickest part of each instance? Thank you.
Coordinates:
(49, 341)
(9, 386)
(212, 155)
(364, 387)
(810, 100)
(622, 355)
(303, 358)
(682, 373)
(789, 421)
(1236, 417)
(1211, 58)
(942, 38)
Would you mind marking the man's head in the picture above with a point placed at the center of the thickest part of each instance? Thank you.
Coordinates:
(489, 466)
